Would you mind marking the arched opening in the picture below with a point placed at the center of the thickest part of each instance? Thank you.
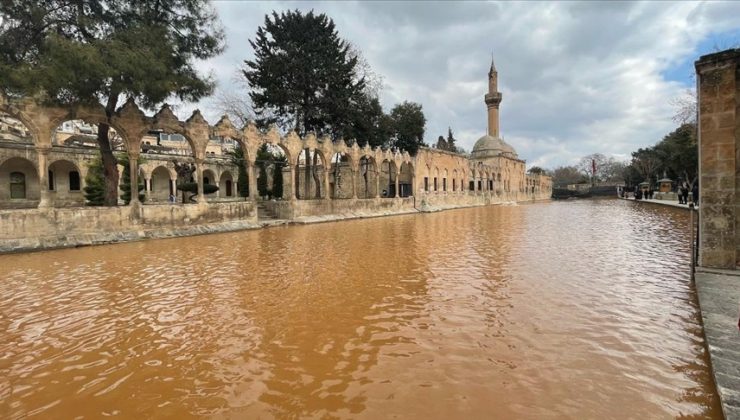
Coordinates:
(454, 180)
(64, 184)
(340, 176)
(273, 172)
(444, 181)
(406, 180)
(309, 175)
(19, 183)
(368, 178)
(160, 188)
(226, 185)
(209, 177)
(387, 179)
(436, 180)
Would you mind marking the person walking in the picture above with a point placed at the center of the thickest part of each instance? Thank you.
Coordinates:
(679, 193)
(695, 194)
(685, 191)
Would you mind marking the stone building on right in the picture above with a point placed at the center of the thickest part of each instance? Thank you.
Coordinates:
(718, 90)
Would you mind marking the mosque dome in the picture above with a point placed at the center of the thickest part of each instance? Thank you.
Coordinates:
(489, 146)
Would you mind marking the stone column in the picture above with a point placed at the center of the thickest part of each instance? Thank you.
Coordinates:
(217, 182)
(354, 181)
(252, 175)
(199, 180)
(46, 199)
(398, 173)
(133, 165)
(293, 184)
(327, 195)
(148, 189)
(377, 183)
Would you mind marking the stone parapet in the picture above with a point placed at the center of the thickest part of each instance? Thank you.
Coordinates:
(719, 144)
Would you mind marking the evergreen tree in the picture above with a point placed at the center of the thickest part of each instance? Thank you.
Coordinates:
(408, 126)
(94, 183)
(303, 76)
(126, 181)
(102, 51)
(451, 140)
(242, 181)
(262, 180)
(441, 143)
(277, 180)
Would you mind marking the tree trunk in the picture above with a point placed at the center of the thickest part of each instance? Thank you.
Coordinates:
(110, 164)
(307, 187)
(316, 179)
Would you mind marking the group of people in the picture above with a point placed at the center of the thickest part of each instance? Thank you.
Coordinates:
(683, 193)
(647, 194)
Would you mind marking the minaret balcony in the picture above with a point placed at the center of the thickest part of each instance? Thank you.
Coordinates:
(493, 98)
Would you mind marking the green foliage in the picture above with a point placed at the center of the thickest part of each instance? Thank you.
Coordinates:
(564, 175)
(238, 159)
(80, 52)
(94, 183)
(676, 156)
(303, 76)
(537, 170)
(126, 180)
(408, 125)
(262, 180)
(277, 180)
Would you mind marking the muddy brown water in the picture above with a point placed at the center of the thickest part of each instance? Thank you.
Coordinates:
(556, 310)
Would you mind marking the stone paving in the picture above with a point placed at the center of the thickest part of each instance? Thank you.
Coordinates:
(719, 299)
(670, 203)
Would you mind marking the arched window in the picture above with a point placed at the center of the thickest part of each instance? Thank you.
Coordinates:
(51, 180)
(228, 188)
(17, 185)
(74, 181)
(206, 181)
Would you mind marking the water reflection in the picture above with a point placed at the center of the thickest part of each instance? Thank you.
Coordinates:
(577, 309)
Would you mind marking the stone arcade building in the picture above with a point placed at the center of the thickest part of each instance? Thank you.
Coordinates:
(41, 179)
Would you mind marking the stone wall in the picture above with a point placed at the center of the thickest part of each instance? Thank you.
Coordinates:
(719, 145)
(30, 229)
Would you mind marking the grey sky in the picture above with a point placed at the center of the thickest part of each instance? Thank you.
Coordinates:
(577, 78)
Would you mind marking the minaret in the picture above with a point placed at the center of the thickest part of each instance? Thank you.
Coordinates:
(493, 99)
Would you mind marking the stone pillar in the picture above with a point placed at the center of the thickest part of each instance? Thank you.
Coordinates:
(199, 180)
(325, 177)
(217, 182)
(148, 189)
(173, 188)
(377, 183)
(718, 79)
(133, 166)
(46, 199)
(354, 181)
(291, 191)
(252, 175)
(398, 173)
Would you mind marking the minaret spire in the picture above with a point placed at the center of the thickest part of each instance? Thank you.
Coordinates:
(493, 99)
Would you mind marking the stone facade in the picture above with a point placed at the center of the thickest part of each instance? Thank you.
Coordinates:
(44, 168)
(719, 153)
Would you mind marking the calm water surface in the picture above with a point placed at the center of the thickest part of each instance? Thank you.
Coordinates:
(557, 310)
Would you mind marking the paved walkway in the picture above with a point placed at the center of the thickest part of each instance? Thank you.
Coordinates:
(670, 203)
(719, 299)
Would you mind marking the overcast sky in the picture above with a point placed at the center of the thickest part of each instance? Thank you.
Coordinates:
(577, 78)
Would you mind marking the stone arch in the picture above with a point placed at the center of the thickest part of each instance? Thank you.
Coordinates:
(209, 177)
(161, 184)
(387, 178)
(15, 130)
(64, 181)
(19, 183)
(368, 177)
(406, 180)
(310, 175)
(226, 185)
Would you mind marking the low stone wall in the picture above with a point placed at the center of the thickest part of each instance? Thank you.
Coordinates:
(33, 229)
(340, 207)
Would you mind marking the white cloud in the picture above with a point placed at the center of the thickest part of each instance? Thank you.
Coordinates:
(577, 78)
